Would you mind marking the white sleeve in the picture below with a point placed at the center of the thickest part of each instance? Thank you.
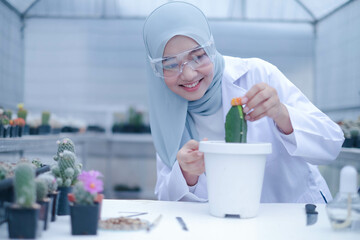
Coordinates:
(315, 137)
(171, 184)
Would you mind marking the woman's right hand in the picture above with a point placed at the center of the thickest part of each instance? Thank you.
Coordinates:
(191, 162)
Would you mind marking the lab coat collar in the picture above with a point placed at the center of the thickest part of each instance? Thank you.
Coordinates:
(235, 67)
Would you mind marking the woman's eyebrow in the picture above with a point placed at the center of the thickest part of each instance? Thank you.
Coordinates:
(190, 51)
(168, 59)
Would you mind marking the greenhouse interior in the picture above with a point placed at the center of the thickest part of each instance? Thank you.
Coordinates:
(86, 93)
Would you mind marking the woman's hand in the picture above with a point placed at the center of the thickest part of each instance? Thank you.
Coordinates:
(191, 162)
(264, 101)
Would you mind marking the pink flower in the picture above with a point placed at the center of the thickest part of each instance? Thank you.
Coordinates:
(91, 181)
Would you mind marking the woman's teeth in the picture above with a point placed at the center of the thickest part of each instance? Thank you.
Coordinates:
(192, 85)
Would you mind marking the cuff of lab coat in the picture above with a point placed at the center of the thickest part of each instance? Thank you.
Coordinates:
(179, 187)
(288, 140)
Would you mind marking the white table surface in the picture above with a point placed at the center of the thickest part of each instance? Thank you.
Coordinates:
(274, 221)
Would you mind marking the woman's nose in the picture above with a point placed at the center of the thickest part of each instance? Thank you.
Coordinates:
(188, 73)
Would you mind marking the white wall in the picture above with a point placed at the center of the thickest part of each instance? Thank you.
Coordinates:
(338, 63)
(11, 58)
(98, 66)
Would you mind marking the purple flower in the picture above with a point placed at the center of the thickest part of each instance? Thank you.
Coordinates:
(91, 181)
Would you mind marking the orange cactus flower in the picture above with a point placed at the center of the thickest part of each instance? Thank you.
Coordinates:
(236, 101)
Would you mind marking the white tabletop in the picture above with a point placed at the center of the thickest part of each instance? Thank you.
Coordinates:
(274, 221)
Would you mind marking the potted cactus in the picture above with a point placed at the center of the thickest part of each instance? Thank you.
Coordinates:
(52, 193)
(231, 161)
(23, 215)
(85, 203)
(22, 113)
(42, 200)
(45, 128)
(65, 171)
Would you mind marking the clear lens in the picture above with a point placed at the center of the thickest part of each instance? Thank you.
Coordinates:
(173, 65)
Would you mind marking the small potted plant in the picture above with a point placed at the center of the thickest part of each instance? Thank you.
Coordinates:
(66, 172)
(22, 113)
(45, 128)
(85, 203)
(234, 161)
(20, 123)
(43, 200)
(53, 194)
(23, 215)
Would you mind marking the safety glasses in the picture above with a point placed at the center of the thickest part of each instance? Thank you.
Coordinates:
(196, 58)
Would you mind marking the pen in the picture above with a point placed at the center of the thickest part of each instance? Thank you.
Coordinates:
(182, 223)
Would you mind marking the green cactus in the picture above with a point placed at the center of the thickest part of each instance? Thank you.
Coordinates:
(82, 196)
(50, 181)
(37, 162)
(22, 113)
(8, 113)
(24, 185)
(6, 170)
(45, 117)
(235, 124)
(67, 170)
(41, 189)
(64, 144)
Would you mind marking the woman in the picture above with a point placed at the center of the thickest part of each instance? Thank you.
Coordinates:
(190, 91)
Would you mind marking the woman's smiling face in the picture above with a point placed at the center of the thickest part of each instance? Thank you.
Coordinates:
(191, 83)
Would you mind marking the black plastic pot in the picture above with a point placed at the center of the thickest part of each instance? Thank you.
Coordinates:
(6, 131)
(44, 212)
(26, 130)
(44, 129)
(23, 222)
(14, 131)
(2, 129)
(54, 204)
(63, 205)
(84, 219)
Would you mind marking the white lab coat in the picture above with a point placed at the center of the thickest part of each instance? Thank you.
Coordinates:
(291, 174)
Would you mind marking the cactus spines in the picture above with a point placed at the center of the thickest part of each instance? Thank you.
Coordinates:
(235, 124)
(64, 144)
(41, 189)
(24, 185)
(67, 170)
(82, 196)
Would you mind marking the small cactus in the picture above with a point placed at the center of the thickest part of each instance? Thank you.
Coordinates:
(22, 113)
(50, 181)
(24, 185)
(45, 117)
(6, 170)
(82, 196)
(37, 162)
(235, 124)
(67, 170)
(64, 144)
(41, 189)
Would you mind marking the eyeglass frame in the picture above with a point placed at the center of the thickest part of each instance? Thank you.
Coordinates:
(209, 48)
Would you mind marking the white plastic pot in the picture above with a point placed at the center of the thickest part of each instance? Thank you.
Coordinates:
(235, 173)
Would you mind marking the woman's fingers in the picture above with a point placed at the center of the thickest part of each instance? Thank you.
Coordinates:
(262, 100)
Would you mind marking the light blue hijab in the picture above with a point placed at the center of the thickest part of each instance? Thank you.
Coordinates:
(170, 120)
